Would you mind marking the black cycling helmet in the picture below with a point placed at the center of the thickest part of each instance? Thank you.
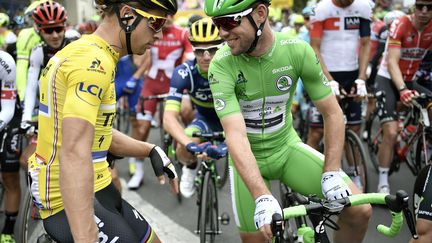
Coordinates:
(169, 7)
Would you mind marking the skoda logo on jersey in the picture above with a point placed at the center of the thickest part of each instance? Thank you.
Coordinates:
(219, 104)
(284, 83)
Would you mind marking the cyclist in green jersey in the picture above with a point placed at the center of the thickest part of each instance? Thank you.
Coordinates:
(28, 38)
(253, 80)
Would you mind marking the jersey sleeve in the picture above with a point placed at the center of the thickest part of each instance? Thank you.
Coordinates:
(8, 87)
(317, 20)
(85, 89)
(222, 85)
(395, 34)
(180, 81)
(312, 76)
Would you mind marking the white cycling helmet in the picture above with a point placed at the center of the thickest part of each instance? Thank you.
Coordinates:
(392, 15)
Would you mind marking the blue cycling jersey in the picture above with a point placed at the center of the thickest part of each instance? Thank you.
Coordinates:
(125, 70)
(187, 78)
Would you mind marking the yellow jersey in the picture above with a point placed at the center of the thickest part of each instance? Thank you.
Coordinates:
(77, 82)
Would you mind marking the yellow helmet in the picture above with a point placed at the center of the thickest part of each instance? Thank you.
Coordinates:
(203, 31)
(4, 20)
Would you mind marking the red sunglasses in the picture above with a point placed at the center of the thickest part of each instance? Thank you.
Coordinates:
(229, 22)
(51, 30)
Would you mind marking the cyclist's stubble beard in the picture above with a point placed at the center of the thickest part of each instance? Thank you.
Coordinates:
(53, 40)
(239, 40)
(423, 18)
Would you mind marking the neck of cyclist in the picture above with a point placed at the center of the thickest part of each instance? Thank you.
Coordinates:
(106, 30)
(265, 42)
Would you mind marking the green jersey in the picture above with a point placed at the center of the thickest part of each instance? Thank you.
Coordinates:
(27, 40)
(262, 89)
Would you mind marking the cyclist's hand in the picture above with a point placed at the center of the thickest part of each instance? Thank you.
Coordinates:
(406, 95)
(162, 164)
(131, 85)
(197, 149)
(361, 88)
(217, 152)
(2, 125)
(28, 128)
(334, 186)
(266, 206)
(334, 85)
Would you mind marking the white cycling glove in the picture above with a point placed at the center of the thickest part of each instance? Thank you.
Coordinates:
(266, 206)
(361, 87)
(334, 85)
(334, 186)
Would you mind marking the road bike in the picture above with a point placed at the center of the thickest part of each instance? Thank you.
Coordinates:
(207, 200)
(397, 204)
(413, 143)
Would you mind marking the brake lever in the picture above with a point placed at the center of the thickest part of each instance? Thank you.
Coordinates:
(410, 222)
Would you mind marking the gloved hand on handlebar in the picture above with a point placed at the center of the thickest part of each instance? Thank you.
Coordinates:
(28, 128)
(361, 87)
(265, 207)
(334, 186)
(406, 95)
(131, 85)
(334, 85)
(197, 149)
(217, 152)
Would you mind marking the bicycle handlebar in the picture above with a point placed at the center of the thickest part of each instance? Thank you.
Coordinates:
(211, 136)
(397, 204)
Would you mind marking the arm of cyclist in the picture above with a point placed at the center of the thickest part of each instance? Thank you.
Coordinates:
(333, 185)
(36, 61)
(76, 178)
(360, 89)
(246, 165)
(406, 95)
(8, 92)
(125, 146)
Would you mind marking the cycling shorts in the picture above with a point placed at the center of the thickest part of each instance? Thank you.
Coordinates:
(423, 194)
(152, 87)
(116, 219)
(298, 166)
(11, 146)
(200, 124)
(352, 109)
(131, 98)
(387, 104)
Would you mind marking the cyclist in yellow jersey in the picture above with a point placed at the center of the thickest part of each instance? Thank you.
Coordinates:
(69, 178)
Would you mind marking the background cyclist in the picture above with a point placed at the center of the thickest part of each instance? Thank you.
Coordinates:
(191, 78)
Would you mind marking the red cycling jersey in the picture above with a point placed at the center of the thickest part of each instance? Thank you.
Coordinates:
(166, 54)
(412, 43)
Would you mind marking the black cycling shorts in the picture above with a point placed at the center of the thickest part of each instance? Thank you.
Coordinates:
(10, 146)
(116, 219)
(352, 109)
(423, 193)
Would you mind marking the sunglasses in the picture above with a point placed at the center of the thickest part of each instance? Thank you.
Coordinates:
(200, 51)
(420, 6)
(154, 22)
(51, 30)
(229, 22)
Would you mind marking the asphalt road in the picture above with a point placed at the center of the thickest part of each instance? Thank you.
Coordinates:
(174, 220)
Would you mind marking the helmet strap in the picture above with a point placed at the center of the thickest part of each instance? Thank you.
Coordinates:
(258, 32)
(127, 28)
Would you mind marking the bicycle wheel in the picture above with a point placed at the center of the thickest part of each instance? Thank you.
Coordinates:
(356, 154)
(373, 139)
(222, 171)
(30, 224)
(208, 221)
